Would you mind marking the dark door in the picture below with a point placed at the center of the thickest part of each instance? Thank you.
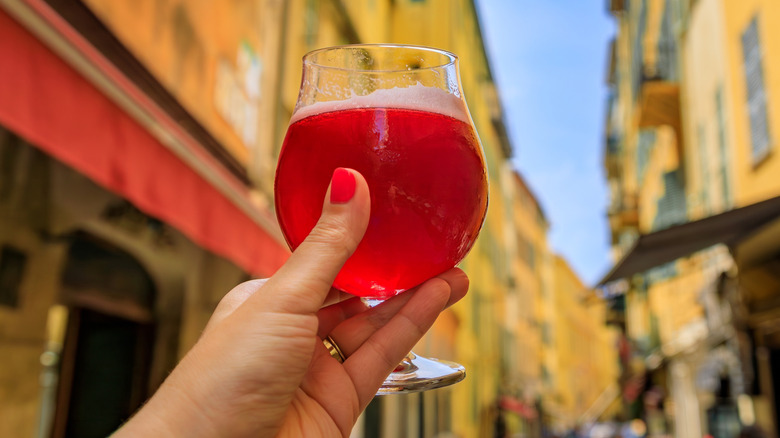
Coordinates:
(104, 374)
(107, 353)
(109, 374)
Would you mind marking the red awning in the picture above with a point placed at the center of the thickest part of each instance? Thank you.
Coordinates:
(56, 109)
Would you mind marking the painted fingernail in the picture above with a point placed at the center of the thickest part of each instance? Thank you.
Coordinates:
(342, 186)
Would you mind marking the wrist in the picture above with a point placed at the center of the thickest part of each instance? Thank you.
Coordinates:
(169, 413)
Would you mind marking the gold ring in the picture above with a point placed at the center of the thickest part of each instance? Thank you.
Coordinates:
(333, 349)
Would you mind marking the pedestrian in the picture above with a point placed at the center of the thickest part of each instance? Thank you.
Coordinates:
(260, 368)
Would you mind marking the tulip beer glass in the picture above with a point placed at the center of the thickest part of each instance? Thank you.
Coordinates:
(397, 115)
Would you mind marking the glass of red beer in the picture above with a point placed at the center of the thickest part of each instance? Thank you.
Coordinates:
(397, 115)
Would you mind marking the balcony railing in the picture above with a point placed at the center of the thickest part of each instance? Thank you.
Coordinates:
(623, 213)
(659, 95)
(613, 144)
(665, 66)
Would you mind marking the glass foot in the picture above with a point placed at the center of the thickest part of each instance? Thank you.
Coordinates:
(417, 373)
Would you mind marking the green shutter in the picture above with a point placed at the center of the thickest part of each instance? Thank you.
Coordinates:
(756, 96)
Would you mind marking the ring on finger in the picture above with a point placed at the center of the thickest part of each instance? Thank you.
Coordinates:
(333, 349)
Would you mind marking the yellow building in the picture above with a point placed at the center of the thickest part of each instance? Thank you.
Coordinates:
(751, 127)
(751, 88)
(580, 360)
(521, 342)
(690, 140)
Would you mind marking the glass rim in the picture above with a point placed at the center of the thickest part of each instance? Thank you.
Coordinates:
(309, 61)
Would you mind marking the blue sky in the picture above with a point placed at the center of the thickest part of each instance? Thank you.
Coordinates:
(549, 59)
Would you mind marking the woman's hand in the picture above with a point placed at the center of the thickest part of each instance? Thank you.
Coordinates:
(260, 368)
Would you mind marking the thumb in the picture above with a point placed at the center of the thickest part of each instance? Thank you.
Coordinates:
(303, 283)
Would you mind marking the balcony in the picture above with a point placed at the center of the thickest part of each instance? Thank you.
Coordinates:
(623, 213)
(612, 159)
(613, 144)
(659, 93)
(659, 104)
(617, 6)
(614, 137)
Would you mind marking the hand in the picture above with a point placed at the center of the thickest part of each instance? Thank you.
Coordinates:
(260, 368)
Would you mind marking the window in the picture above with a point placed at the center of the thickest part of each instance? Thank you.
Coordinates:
(704, 175)
(722, 150)
(756, 96)
(12, 266)
(666, 64)
(526, 251)
(645, 144)
(637, 53)
(671, 207)
(311, 23)
(546, 334)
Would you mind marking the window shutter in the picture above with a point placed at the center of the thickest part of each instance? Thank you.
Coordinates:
(756, 96)
(722, 149)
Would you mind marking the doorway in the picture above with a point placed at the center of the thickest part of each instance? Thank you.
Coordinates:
(108, 348)
(108, 360)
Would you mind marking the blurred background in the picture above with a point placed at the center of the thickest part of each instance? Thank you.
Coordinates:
(627, 279)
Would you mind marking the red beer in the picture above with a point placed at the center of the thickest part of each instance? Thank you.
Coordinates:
(428, 190)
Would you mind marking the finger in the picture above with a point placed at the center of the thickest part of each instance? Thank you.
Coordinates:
(302, 284)
(336, 296)
(383, 351)
(331, 316)
(233, 299)
(328, 384)
(353, 332)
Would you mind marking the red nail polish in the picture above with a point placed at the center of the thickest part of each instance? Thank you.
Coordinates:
(342, 186)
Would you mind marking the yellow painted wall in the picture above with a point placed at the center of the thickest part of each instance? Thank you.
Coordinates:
(531, 258)
(195, 50)
(663, 307)
(754, 181)
(581, 355)
(663, 158)
(705, 75)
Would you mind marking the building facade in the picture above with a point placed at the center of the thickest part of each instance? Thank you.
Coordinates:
(580, 368)
(689, 154)
(127, 211)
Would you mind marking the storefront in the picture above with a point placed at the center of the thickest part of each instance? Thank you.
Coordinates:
(123, 220)
(723, 369)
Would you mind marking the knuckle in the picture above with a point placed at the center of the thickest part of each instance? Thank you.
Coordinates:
(240, 292)
(415, 327)
(335, 235)
(381, 353)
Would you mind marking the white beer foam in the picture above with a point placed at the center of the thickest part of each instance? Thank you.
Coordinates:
(416, 97)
